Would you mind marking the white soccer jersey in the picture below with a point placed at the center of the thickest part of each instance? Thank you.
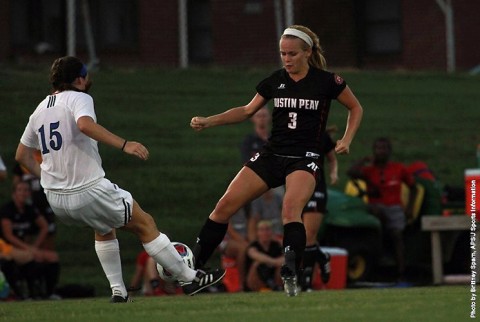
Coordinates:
(70, 158)
(2, 165)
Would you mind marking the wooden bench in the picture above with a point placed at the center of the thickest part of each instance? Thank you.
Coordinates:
(437, 224)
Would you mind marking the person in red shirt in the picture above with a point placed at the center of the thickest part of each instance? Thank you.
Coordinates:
(384, 180)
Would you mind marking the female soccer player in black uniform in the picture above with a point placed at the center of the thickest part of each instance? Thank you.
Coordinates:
(313, 214)
(301, 93)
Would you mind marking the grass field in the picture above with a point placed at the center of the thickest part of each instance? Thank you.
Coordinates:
(431, 117)
(437, 304)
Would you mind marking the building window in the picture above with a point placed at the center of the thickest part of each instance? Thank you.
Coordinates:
(40, 25)
(253, 7)
(200, 42)
(116, 22)
(37, 25)
(382, 26)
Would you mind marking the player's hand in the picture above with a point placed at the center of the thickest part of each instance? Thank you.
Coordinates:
(342, 147)
(136, 149)
(198, 123)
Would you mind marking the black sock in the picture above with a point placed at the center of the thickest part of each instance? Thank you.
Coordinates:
(13, 276)
(51, 277)
(32, 272)
(294, 235)
(210, 237)
(309, 260)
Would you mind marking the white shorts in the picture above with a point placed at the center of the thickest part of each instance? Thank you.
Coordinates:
(101, 206)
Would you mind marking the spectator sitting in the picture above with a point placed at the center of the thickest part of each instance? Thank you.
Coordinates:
(18, 222)
(266, 207)
(384, 179)
(38, 200)
(16, 263)
(264, 260)
(235, 244)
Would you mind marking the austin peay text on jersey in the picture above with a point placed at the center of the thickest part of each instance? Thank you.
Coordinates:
(300, 103)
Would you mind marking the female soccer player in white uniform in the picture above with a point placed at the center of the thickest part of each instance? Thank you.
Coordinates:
(64, 128)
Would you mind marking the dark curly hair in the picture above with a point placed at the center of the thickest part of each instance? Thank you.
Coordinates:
(64, 71)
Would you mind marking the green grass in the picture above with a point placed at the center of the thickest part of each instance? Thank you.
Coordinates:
(431, 117)
(436, 304)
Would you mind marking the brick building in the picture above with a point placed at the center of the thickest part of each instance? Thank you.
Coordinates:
(387, 34)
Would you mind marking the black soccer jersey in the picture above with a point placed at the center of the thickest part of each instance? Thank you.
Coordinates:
(23, 224)
(300, 110)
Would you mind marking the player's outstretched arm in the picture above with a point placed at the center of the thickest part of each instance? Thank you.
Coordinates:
(231, 116)
(97, 132)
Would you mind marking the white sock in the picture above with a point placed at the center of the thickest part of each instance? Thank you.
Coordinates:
(108, 253)
(163, 252)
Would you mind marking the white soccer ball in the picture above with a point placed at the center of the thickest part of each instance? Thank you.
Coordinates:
(187, 257)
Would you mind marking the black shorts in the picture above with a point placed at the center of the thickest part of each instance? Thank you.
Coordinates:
(318, 201)
(273, 169)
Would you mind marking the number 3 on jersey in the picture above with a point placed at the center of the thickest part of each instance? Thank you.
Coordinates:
(54, 136)
(293, 120)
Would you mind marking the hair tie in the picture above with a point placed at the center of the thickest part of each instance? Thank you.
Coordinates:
(83, 71)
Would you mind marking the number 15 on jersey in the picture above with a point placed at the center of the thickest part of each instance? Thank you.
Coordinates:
(54, 137)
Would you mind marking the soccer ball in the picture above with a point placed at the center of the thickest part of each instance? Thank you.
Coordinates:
(187, 257)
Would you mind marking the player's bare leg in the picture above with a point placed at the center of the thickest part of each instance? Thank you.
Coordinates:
(246, 186)
(159, 247)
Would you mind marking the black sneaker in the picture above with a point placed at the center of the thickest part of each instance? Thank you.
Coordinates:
(306, 279)
(288, 273)
(202, 280)
(325, 268)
